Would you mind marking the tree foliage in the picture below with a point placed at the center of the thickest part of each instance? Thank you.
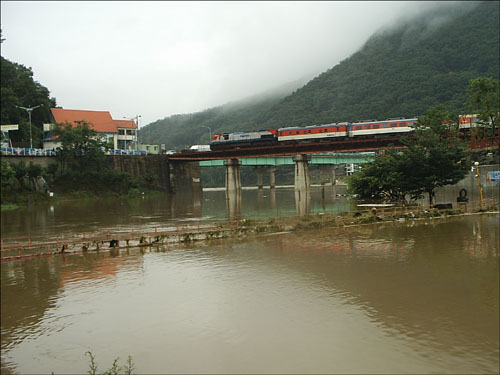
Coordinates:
(7, 175)
(434, 157)
(18, 88)
(484, 100)
(81, 148)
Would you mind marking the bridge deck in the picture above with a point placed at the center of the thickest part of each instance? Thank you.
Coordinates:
(353, 145)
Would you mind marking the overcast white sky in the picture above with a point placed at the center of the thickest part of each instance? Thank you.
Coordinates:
(162, 58)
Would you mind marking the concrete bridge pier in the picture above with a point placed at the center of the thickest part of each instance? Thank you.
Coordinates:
(233, 179)
(302, 185)
(260, 177)
(233, 189)
(302, 181)
(272, 177)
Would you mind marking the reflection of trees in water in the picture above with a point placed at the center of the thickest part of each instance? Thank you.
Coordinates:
(92, 215)
(31, 287)
(437, 280)
(28, 290)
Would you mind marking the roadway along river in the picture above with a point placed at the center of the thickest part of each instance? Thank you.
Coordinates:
(419, 297)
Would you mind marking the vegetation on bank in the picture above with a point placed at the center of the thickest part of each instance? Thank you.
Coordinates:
(127, 369)
(79, 170)
(436, 154)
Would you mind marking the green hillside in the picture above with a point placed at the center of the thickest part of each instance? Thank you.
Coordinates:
(400, 71)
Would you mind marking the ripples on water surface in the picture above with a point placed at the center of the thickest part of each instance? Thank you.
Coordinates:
(372, 299)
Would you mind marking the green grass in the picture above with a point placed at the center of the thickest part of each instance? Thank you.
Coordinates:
(8, 206)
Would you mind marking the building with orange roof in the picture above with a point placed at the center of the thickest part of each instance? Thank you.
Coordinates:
(121, 133)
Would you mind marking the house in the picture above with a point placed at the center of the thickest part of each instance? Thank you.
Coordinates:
(150, 148)
(121, 133)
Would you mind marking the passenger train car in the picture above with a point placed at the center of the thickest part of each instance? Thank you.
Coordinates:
(382, 128)
(313, 132)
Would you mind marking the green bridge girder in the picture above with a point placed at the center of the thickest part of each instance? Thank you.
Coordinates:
(328, 158)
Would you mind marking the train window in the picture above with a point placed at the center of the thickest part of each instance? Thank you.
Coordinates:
(325, 130)
(309, 131)
(385, 125)
(376, 126)
(394, 125)
(297, 132)
(358, 127)
(367, 127)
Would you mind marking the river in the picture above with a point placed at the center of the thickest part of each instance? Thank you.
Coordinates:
(413, 297)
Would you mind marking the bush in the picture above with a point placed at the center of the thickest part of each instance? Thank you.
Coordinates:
(34, 170)
(105, 181)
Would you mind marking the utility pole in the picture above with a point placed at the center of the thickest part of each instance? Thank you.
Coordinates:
(478, 175)
(29, 110)
(136, 119)
(209, 132)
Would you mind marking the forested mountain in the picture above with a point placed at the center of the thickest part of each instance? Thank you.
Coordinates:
(178, 131)
(400, 71)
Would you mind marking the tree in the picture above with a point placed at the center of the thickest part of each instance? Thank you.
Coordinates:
(378, 180)
(434, 157)
(81, 148)
(7, 175)
(484, 100)
(18, 88)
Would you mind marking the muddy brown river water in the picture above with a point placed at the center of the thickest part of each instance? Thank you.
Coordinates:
(412, 297)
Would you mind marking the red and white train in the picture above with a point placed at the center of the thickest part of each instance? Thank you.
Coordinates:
(343, 130)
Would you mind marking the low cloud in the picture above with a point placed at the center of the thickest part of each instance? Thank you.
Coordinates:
(161, 58)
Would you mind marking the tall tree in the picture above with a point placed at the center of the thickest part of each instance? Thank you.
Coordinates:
(18, 88)
(484, 100)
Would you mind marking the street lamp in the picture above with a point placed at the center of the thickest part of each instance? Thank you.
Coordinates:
(29, 110)
(136, 118)
(209, 132)
(479, 183)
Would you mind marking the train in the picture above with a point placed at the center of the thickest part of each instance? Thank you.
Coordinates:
(392, 127)
(315, 133)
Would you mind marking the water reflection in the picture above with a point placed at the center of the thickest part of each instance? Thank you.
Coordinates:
(233, 204)
(303, 201)
(412, 299)
(80, 216)
(87, 216)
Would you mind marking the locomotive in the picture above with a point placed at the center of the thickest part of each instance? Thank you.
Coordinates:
(314, 133)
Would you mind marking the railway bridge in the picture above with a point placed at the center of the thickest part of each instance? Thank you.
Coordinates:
(267, 157)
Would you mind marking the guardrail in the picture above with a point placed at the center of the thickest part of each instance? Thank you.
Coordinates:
(17, 151)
